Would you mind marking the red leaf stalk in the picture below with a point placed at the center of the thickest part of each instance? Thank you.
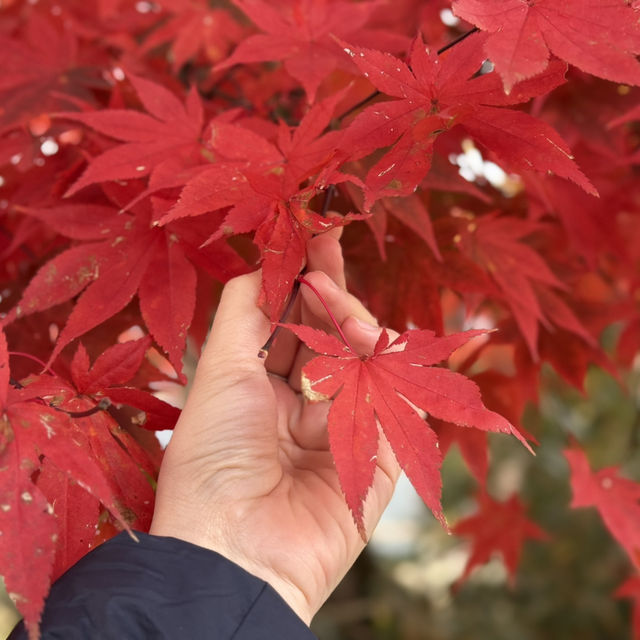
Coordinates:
(302, 280)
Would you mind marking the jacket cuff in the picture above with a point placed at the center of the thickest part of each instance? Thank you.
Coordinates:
(163, 588)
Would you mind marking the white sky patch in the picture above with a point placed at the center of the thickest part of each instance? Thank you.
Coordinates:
(144, 7)
(474, 168)
(494, 174)
(447, 17)
(487, 67)
(172, 393)
(480, 321)
(164, 437)
(399, 528)
(49, 147)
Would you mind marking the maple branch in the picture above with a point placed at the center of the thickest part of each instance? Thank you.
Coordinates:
(15, 383)
(264, 351)
(457, 40)
(103, 405)
(227, 75)
(239, 102)
(326, 308)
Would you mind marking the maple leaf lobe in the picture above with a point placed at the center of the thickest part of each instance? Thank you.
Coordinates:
(389, 387)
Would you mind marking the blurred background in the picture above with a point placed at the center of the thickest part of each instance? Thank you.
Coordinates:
(401, 587)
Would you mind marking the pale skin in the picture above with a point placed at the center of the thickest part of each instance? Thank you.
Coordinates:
(248, 472)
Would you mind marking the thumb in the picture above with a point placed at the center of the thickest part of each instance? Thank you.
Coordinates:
(239, 330)
(224, 418)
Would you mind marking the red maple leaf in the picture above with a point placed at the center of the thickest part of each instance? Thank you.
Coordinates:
(569, 355)
(76, 513)
(500, 527)
(380, 387)
(267, 189)
(40, 71)
(528, 284)
(410, 211)
(169, 132)
(117, 365)
(437, 92)
(192, 28)
(586, 219)
(114, 368)
(601, 38)
(300, 34)
(251, 167)
(400, 302)
(33, 431)
(124, 254)
(616, 498)
(472, 444)
(64, 461)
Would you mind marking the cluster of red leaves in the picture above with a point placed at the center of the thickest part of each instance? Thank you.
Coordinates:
(150, 151)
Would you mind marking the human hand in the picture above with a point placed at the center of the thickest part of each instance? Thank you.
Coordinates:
(248, 472)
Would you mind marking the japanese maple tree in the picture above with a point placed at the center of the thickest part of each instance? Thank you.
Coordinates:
(482, 157)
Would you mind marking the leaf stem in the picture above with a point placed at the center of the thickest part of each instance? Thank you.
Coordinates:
(326, 308)
(35, 359)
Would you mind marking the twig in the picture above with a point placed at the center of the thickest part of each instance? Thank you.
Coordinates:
(264, 351)
(459, 39)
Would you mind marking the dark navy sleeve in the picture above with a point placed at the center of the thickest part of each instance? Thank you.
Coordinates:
(163, 588)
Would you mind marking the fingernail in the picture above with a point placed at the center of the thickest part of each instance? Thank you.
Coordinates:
(366, 326)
